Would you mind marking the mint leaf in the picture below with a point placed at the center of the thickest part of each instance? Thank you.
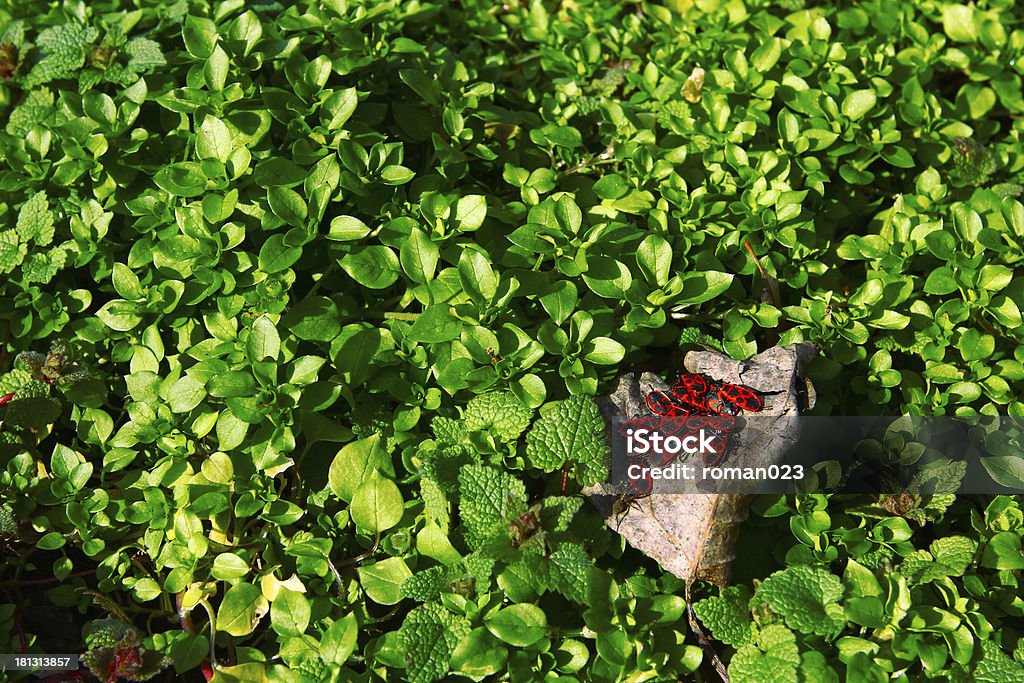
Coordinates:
(35, 222)
(428, 637)
(33, 111)
(499, 411)
(996, 666)
(572, 432)
(63, 48)
(42, 268)
(12, 251)
(570, 568)
(488, 497)
(807, 598)
(728, 615)
(448, 431)
(775, 658)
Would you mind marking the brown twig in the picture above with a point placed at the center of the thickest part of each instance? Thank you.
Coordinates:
(771, 283)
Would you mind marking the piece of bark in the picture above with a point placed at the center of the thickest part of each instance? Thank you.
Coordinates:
(693, 535)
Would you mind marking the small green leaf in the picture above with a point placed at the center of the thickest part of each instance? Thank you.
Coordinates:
(288, 205)
(940, 281)
(518, 625)
(228, 567)
(419, 256)
(355, 463)
(339, 640)
(382, 581)
(200, 36)
(436, 324)
(185, 394)
(1007, 470)
(264, 341)
(214, 140)
(185, 179)
(858, 103)
(470, 212)
(377, 504)
(276, 256)
(347, 229)
(373, 267)
(290, 613)
(958, 23)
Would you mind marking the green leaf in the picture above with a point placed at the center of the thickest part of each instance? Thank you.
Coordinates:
(1006, 470)
(518, 625)
(126, 283)
(858, 103)
(35, 221)
(940, 281)
(974, 345)
(347, 229)
(470, 212)
(288, 205)
(228, 567)
(428, 638)
(338, 108)
(264, 341)
(774, 657)
(435, 324)
(373, 267)
(355, 463)
(479, 654)
(276, 256)
(214, 140)
(488, 498)
(572, 431)
(339, 641)
(728, 615)
(377, 504)
(654, 256)
(560, 302)
(200, 36)
(700, 287)
(476, 276)
(603, 351)
(185, 394)
(1003, 551)
(382, 581)
(315, 318)
(807, 597)
(12, 253)
(500, 412)
(419, 256)
(279, 172)
(231, 384)
(958, 23)
(185, 179)
(608, 277)
(241, 609)
(994, 277)
(290, 613)
(396, 175)
(611, 186)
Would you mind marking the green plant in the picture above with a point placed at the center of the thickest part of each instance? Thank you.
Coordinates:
(328, 288)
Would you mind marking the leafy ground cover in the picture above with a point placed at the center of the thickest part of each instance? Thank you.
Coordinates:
(303, 304)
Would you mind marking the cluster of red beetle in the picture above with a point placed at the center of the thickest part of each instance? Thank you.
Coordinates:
(694, 403)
